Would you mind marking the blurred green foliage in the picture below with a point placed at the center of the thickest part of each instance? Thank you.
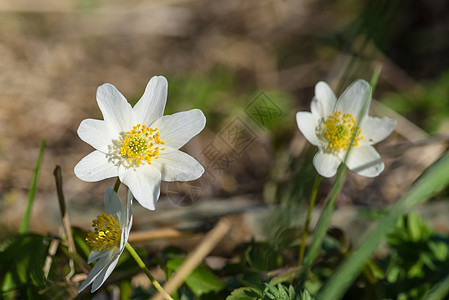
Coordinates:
(418, 259)
(426, 105)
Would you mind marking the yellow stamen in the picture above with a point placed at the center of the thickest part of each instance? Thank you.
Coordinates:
(339, 130)
(141, 144)
(106, 235)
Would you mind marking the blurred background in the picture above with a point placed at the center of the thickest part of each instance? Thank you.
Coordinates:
(249, 66)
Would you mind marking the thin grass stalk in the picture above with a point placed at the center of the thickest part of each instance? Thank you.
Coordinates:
(144, 268)
(305, 232)
(322, 225)
(32, 191)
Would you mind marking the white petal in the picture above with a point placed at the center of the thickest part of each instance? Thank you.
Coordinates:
(116, 110)
(128, 216)
(326, 164)
(178, 166)
(95, 133)
(145, 184)
(151, 105)
(375, 130)
(125, 233)
(112, 205)
(324, 101)
(355, 99)
(94, 167)
(179, 128)
(96, 270)
(104, 274)
(365, 161)
(94, 255)
(307, 124)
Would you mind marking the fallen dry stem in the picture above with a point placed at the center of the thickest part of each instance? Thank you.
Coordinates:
(51, 252)
(196, 257)
(63, 209)
(158, 234)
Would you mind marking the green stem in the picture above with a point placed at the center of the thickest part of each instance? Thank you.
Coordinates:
(117, 185)
(305, 232)
(26, 217)
(147, 272)
(321, 226)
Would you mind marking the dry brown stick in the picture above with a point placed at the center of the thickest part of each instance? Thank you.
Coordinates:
(64, 215)
(158, 234)
(51, 252)
(196, 257)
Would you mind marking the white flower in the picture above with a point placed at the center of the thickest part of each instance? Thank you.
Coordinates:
(331, 124)
(108, 238)
(138, 144)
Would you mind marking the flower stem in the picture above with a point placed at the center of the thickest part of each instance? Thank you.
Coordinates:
(147, 272)
(305, 232)
(117, 185)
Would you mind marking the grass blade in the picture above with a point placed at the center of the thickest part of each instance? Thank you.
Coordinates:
(434, 179)
(26, 217)
(439, 291)
(323, 224)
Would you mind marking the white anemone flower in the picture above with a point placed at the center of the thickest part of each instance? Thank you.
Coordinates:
(108, 238)
(335, 126)
(139, 144)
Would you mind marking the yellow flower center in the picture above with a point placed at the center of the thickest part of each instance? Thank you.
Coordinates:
(106, 235)
(141, 144)
(340, 129)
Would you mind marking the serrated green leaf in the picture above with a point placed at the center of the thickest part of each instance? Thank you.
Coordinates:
(201, 281)
(283, 291)
(245, 293)
(280, 292)
(262, 257)
(306, 296)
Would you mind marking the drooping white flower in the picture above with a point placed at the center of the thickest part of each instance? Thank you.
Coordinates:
(109, 235)
(139, 144)
(332, 124)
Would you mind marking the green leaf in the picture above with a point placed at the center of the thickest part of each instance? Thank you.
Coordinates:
(24, 258)
(427, 260)
(245, 293)
(306, 296)
(288, 275)
(439, 291)
(393, 274)
(439, 249)
(280, 292)
(417, 228)
(201, 281)
(263, 257)
(416, 270)
(79, 239)
(373, 271)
